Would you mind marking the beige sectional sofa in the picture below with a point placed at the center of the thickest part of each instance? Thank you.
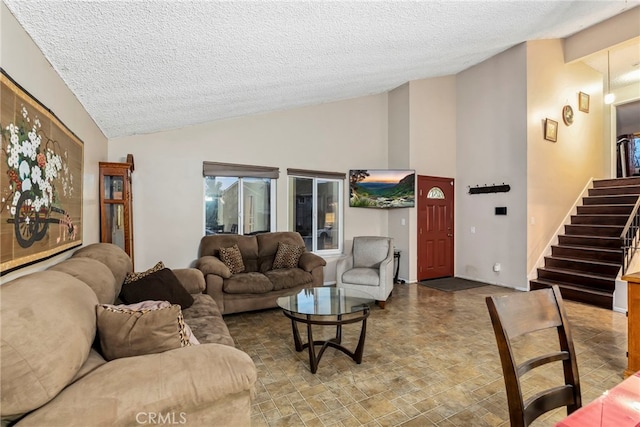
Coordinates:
(259, 285)
(53, 374)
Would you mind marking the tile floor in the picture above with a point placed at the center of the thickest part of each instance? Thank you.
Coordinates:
(430, 359)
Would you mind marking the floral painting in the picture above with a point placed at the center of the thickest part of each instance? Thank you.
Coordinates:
(40, 181)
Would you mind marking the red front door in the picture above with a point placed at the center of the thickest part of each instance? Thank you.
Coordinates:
(435, 227)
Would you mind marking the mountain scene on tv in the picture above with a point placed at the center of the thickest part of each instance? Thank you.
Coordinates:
(382, 188)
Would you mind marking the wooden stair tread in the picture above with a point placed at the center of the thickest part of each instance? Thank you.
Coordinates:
(576, 273)
(589, 248)
(613, 205)
(586, 261)
(597, 225)
(626, 179)
(610, 198)
(589, 236)
(574, 287)
(606, 215)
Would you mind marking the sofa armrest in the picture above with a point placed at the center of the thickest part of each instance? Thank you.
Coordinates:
(177, 382)
(308, 261)
(209, 264)
(191, 278)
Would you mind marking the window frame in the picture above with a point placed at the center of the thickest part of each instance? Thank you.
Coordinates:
(292, 202)
(241, 172)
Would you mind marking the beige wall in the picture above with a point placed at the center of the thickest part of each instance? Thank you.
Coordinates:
(558, 172)
(399, 148)
(433, 142)
(24, 62)
(492, 149)
(168, 185)
(604, 35)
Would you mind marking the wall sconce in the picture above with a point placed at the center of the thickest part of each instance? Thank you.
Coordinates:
(609, 97)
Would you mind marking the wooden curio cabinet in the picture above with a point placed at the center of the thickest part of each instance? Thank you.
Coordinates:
(633, 323)
(116, 217)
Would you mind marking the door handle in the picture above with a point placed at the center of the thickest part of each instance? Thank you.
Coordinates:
(449, 235)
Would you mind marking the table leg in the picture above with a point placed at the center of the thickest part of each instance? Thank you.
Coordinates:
(338, 339)
(313, 361)
(296, 336)
(357, 356)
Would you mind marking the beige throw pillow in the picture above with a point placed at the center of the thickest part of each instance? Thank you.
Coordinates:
(287, 256)
(232, 258)
(144, 328)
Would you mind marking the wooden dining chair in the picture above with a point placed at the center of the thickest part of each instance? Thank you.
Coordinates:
(521, 314)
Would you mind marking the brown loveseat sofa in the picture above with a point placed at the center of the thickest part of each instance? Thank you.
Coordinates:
(259, 285)
(52, 373)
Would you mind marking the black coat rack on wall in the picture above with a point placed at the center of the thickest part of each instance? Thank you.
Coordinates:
(490, 189)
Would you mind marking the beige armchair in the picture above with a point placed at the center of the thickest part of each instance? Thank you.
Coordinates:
(369, 268)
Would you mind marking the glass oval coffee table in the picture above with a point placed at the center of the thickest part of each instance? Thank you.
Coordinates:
(327, 306)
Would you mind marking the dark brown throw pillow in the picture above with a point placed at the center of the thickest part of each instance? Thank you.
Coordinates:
(133, 276)
(161, 285)
(232, 258)
(287, 256)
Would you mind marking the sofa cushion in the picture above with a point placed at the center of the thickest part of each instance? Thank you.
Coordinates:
(150, 327)
(232, 258)
(268, 246)
(362, 276)
(94, 273)
(369, 252)
(206, 322)
(47, 329)
(110, 255)
(287, 256)
(161, 285)
(137, 275)
(247, 283)
(248, 245)
(286, 278)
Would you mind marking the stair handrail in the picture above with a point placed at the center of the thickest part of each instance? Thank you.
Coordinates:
(628, 237)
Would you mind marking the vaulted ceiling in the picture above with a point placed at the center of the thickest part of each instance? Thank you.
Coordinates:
(147, 66)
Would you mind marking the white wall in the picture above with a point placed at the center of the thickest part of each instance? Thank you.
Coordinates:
(168, 184)
(558, 171)
(23, 61)
(491, 149)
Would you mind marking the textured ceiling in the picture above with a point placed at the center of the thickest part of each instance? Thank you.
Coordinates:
(146, 66)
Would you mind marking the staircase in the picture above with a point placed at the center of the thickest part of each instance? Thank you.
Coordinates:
(588, 257)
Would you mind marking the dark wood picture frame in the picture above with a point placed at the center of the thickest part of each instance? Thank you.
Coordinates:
(550, 130)
(583, 102)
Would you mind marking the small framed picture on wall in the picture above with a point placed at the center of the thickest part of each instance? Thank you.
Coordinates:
(583, 102)
(550, 130)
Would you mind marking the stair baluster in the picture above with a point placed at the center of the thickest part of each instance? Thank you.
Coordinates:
(629, 236)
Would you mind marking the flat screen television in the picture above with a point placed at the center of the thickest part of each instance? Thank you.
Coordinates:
(382, 188)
